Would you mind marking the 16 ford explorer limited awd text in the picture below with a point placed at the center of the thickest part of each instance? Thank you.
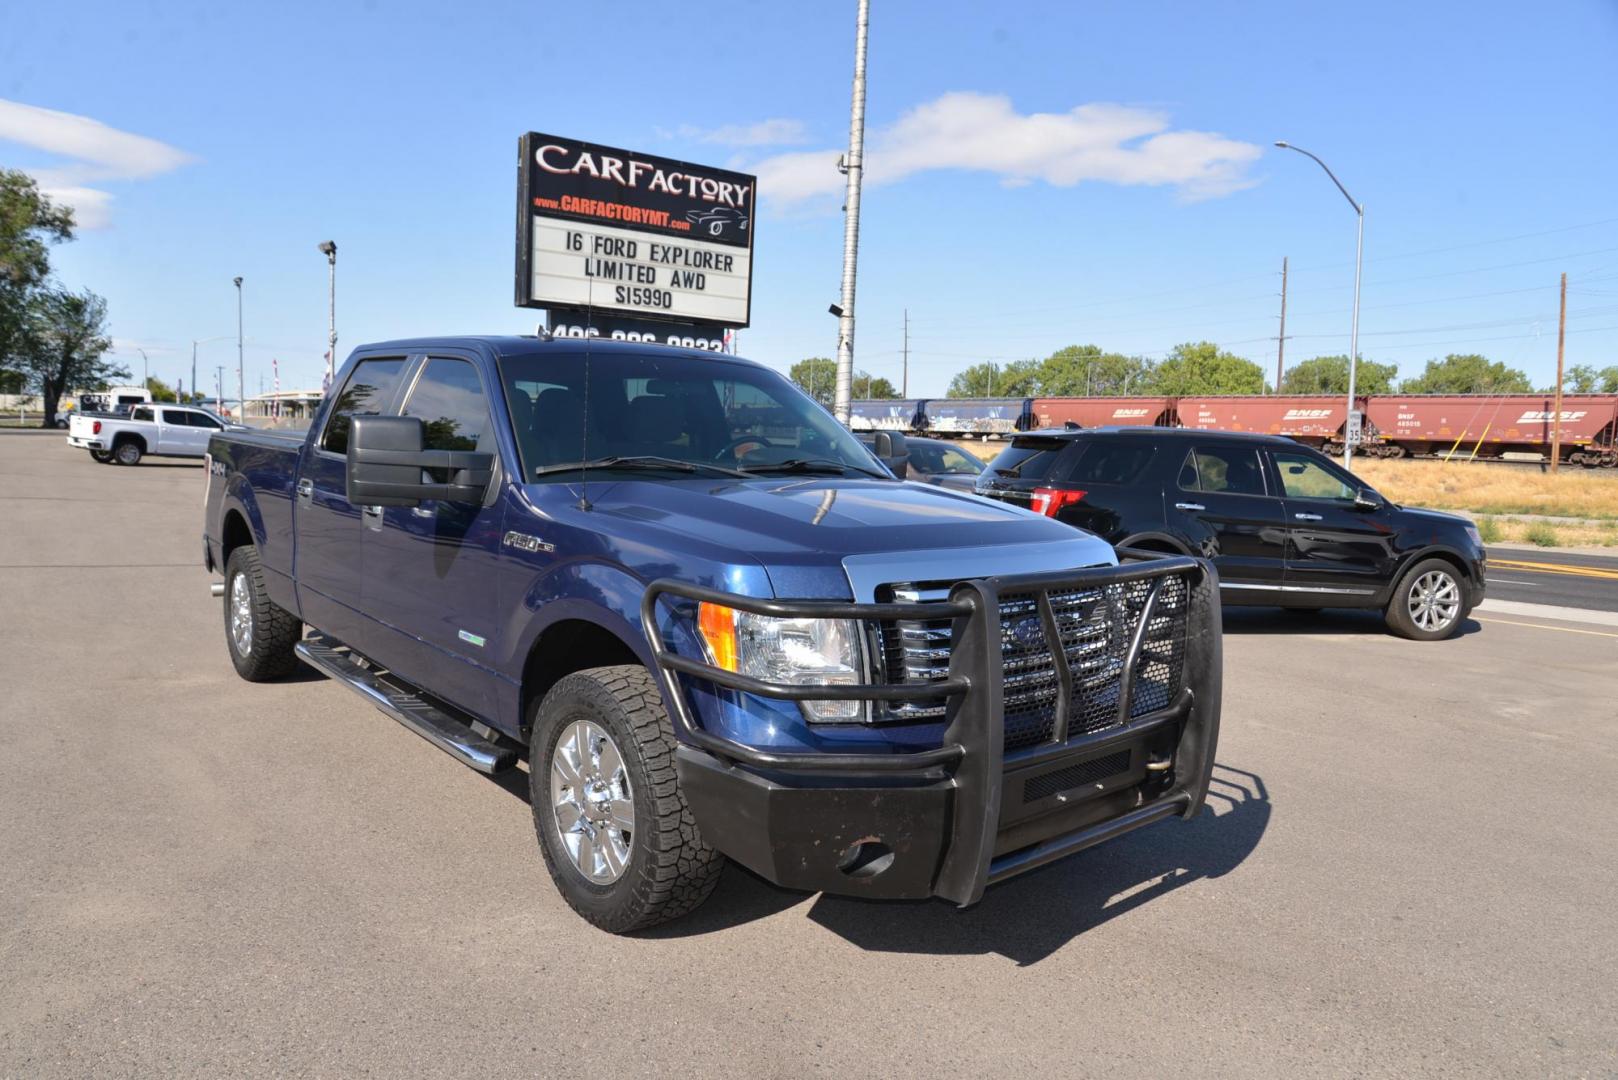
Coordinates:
(713, 622)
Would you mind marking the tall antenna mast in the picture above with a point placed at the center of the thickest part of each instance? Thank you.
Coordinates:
(854, 166)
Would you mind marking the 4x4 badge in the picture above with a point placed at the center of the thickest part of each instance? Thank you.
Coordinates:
(524, 542)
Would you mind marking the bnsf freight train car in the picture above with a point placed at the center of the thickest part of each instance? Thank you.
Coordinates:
(1317, 421)
(1491, 425)
(1396, 425)
(1055, 412)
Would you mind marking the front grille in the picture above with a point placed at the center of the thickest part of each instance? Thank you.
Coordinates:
(1095, 625)
(1074, 776)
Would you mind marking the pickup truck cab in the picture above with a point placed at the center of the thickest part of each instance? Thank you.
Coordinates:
(714, 623)
(157, 430)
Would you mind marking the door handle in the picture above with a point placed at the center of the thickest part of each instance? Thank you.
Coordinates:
(372, 511)
(1189, 506)
(1307, 517)
(306, 488)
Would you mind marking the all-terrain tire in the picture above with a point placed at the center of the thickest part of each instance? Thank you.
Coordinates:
(128, 452)
(670, 870)
(1445, 588)
(261, 645)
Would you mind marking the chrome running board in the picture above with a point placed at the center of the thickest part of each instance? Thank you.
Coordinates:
(456, 737)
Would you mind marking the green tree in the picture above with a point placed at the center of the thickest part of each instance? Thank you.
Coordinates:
(1083, 370)
(817, 377)
(1329, 375)
(1579, 379)
(1204, 368)
(162, 391)
(12, 382)
(1585, 379)
(29, 224)
(64, 343)
(1020, 378)
(1467, 373)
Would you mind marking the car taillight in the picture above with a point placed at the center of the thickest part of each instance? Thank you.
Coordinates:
(1049, 501)
(97, 429)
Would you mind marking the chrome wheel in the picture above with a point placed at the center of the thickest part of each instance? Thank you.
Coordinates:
(1434, 601)
(241, 615)
(592, 801)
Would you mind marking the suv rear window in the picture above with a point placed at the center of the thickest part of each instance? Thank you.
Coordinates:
(1029, 457)
(1113, 463)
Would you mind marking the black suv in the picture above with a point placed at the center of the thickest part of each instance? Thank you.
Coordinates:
(1283, 524)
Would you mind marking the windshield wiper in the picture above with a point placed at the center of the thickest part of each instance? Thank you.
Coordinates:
(638, 461)
(813, 465)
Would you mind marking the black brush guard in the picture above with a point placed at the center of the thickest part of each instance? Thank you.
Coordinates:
(951, 816)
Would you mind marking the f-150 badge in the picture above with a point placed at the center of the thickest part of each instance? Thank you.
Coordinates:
(524, 542)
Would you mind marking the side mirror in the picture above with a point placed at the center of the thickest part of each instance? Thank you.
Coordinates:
(386, 466)
(1366, 499)
(890, 447)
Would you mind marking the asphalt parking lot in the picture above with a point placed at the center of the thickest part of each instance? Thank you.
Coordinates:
(1408, 868)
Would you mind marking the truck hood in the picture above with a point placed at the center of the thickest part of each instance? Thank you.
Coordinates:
(863, 529)
(1435, 517)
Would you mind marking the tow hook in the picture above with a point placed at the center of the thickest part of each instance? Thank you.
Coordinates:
(1160, 765)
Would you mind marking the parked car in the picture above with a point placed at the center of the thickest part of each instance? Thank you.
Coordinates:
(933, 461)
(714, 623)
(158, 430)
(1282, 523)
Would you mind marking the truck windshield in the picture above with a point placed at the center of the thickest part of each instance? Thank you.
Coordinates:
(646, 406)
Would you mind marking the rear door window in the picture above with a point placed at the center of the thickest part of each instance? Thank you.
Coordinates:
(1034, 458)
(1227, 469)
(1113, 463)
(369, 390)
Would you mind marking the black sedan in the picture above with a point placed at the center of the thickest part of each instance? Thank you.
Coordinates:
(933, 461)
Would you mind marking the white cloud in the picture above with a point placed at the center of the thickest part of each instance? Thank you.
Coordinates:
(1115, 144)
(95, 152)
(777, 132)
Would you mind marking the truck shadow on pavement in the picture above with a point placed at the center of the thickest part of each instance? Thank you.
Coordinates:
(1030, 917)
(1343, 622)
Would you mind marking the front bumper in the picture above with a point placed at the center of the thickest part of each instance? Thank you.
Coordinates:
(950, 821)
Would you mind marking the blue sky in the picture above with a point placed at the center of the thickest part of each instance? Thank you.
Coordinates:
(1041, 174)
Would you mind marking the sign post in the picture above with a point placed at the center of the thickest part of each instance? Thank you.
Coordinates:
(615, 243)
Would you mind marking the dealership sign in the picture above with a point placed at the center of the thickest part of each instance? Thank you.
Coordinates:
(601, 229)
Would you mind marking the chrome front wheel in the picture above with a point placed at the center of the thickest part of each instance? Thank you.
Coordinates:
(593, 802)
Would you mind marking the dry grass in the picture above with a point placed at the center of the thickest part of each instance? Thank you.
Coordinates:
(1543, 534)
(1495, 489)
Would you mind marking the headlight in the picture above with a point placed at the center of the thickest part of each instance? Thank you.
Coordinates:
(1475, 536)
(792, 651)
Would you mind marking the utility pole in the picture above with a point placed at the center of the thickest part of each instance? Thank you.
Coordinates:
(241, 385)
(1561, 340)
(194, 370)
(1281, 342)
(904, 379)
(854, 168)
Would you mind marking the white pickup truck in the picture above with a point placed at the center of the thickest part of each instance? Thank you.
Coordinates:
(159, 430)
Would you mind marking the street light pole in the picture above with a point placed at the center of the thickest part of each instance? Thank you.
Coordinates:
(241, 380)
(145, 370)
(1354, 333)
(854, 166)
(328, 248)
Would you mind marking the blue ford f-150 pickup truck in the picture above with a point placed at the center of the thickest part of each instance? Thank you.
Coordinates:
(713, 622)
